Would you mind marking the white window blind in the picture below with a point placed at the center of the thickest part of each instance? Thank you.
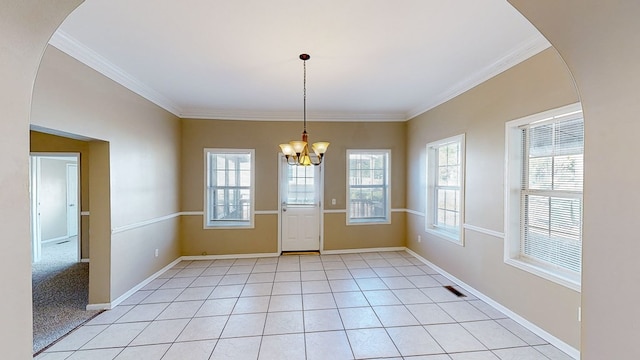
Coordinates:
(551, 196)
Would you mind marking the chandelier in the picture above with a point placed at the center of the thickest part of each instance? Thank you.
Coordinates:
(297, 151)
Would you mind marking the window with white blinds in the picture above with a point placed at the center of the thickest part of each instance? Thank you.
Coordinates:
(552, 192)
(543, 218)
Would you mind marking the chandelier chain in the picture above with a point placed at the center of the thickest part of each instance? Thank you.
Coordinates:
(304, 92)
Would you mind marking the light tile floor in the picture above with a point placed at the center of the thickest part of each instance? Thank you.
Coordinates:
(382, 305)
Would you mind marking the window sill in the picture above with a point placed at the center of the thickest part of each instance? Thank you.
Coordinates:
(228, 226)
(445, 235)
(369, 222)
(568, 280)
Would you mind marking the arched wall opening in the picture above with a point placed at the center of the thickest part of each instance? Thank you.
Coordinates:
(596, 39)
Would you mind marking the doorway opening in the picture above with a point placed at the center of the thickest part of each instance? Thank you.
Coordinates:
(55, 218)
(300, 215)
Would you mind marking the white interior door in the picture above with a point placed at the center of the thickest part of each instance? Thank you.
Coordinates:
(36, 234)
(72, 200)
(300, 194)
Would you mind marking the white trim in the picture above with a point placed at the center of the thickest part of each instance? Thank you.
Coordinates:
(335, 211)
(545, 273)
(566, 348)
(414, 212)
(100, 306)
(228, 256)
(341, 211)
(140, 224)
(483, 230)
(528, 49)
(132, 226)
(363, 250)
(84, 213)
(556, 113)
(85, 260)
(57, 239)
(143, 283)
(84, 54)
(201, 213)
(74, 48)
(207, 114)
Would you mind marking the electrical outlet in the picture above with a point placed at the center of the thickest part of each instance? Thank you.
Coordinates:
(579, 313)
(419, 238)
(333, 201)
(156, 252)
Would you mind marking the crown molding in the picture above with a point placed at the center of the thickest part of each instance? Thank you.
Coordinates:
(208, 114)
(528, 49)
(74, 48)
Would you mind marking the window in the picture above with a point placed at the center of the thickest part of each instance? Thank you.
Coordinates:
(445, 188)
(368, 186)
(544, 198)
(301, 187)
(229, 188)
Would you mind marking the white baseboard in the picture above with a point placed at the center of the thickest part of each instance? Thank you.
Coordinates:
(104, 306)
(85, 260)
(568, 349)
(123, 297)
(352, 251)
(231, 256)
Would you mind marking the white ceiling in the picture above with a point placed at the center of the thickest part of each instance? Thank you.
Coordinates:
(370, 59)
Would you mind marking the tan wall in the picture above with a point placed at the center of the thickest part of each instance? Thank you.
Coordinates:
(264, 137)
(25, 27)
(138, 167)
(538, 84)
(599, 41)
(41, 142)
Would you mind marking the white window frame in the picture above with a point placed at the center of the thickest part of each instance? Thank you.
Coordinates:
(387, 188)
(431, 208)
(222, 224)
(514, 165)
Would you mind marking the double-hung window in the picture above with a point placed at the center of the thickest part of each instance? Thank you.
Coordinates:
(229, 179)
(445, 188)
(544, 194)
(368, 199)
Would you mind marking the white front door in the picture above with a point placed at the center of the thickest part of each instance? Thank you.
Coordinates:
(300, 194)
